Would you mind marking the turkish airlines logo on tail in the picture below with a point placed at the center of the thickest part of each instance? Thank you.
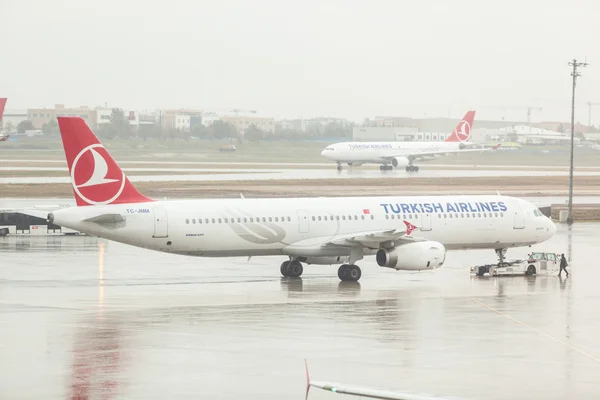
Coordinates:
(95, 180)
(462, 131)
(409, 228)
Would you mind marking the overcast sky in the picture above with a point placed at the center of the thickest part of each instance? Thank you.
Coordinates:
(352, 59)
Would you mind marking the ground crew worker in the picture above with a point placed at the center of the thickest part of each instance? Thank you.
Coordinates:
(563, 264)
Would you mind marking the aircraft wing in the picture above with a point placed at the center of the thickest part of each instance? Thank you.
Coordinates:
(364, 392)
(373, 240)
(368, 239)
(437, 152)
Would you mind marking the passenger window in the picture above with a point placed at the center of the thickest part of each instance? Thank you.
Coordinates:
(239, 220)
(187, 221)
(225, 220)
(219, 220)
(362, 217)
(313, 218)
(319, 218)
(269, 219)
(337, 217)
(245, 220)
(355, 217)
(479, 215)
(199, 220)
(343, 217)
(289, 219)
(387, 217)
(372, 217)
(206, 220)
(213, 220)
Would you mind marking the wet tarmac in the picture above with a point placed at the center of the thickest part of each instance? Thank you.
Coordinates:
(287, 174)
(83, 318)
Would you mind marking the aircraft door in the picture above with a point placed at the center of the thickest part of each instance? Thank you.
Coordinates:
(161, 225)
(519, 219)
(303, 221)
(425, 222)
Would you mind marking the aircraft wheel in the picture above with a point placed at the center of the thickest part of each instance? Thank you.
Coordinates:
(284, 268)
(343, 271)
(354, 273)
(339, 167)
(295, 269)
(415, 168)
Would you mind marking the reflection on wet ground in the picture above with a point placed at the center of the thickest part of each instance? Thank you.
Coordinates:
(83, 318)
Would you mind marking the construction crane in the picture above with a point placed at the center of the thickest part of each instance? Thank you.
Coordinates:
(528, 108)
(590, 104)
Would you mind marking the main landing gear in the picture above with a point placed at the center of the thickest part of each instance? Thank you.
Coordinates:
(349, 273)
(346, 273)
(386, 167)
(412, 168)
(291, 269)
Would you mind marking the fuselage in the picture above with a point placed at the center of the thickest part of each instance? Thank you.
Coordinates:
(301, 226)
(378, 152)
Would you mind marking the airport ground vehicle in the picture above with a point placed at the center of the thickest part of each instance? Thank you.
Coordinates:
(538, 263)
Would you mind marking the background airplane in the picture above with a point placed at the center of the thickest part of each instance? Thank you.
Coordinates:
(307, 230)
(401, 154)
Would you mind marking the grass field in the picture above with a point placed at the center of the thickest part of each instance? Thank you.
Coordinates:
(40, 148)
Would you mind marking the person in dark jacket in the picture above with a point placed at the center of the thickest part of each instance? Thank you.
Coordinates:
(563, 264)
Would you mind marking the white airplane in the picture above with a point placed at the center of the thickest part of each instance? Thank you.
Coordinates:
(405, 233)
(400, 154)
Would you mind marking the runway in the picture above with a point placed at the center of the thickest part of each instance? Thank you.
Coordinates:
(85, 318)
(222, 174)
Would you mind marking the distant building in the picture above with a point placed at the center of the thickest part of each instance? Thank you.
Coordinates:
(179, 119)
(242, 122)
(41, 116)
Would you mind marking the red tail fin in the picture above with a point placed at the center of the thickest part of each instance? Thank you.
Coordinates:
(2, 105)
(463, 130)
(95, 176)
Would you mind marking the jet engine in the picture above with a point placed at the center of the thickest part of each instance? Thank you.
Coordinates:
(414, 256)
(399, 162)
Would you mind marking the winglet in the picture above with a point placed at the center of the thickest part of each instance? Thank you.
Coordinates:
(307, 379)
(496, 147)
(409, 227)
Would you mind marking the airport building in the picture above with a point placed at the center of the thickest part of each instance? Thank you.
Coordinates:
(243, 122)
(41, 116)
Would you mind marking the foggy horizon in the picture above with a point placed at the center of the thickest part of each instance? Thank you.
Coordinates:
(286, 60)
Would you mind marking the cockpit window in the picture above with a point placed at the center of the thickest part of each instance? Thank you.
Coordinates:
(329, 148)
(537, 213)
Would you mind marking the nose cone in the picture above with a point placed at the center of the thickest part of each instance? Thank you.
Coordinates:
(328, 152)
